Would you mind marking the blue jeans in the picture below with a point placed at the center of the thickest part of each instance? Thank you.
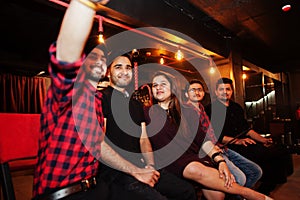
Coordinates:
(246, 172)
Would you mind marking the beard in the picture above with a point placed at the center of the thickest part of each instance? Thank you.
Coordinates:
(96, 73)
(95, 77)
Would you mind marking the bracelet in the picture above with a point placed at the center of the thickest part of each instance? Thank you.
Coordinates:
(219, 161)
(89, 4)
(219, 153)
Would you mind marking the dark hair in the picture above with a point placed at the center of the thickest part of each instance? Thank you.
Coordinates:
(193, 81)
(91, 44)
(113, 55)
(224, 81)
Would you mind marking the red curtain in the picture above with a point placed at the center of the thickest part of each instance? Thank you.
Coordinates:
(21, 94)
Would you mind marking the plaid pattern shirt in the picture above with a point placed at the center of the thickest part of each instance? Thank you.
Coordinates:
(204, 122)
(71, 128)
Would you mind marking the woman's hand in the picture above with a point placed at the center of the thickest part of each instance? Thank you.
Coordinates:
(147, 176)
(226, 174)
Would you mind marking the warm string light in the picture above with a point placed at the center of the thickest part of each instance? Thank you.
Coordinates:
(179, 55)
(244, 76)
(211, 69)
(161, 61)
(100, 36)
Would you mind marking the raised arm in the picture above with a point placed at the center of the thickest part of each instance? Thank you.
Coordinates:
(75, 29)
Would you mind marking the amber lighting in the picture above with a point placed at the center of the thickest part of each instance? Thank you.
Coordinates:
(245, 68)
(161, 61)
(179, 55)
(244, 76)
(100, 29)
(212, 70)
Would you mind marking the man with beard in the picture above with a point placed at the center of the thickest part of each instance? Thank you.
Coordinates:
(126, 133)
(72, 120)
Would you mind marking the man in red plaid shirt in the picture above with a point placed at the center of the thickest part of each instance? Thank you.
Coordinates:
(72, 119)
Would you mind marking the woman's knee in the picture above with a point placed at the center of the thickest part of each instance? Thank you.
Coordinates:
(194, 171)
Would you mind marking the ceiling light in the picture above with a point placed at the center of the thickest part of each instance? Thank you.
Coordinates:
(244, 76)
(135, 53)
(100, 37)
(179, 55)
(161, 61)
(286, 7)
(245, 68)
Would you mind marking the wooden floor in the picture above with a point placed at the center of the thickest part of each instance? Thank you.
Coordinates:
(291, 189)
(286, 191)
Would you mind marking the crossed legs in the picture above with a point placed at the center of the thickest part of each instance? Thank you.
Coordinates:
(209, 177)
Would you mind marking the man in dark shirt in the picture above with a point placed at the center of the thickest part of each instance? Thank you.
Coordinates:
(250, 144)
(126, 134)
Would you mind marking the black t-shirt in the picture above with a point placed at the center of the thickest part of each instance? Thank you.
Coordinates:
(124, 117)
(234, 122)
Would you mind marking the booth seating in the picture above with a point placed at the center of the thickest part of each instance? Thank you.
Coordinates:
(18, 147)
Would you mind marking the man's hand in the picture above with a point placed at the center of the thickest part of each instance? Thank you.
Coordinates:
(268, 142)
(148, 176)
(244, 141)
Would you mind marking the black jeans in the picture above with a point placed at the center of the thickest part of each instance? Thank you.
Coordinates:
(169, 186)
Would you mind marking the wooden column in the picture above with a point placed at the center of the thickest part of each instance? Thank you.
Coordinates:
(235, 60)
